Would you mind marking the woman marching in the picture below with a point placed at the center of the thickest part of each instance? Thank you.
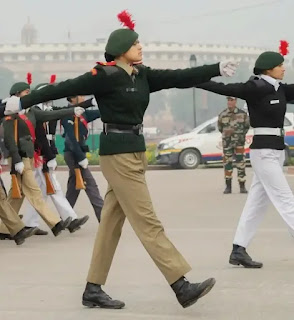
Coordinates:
(266, 98)
(122, 91)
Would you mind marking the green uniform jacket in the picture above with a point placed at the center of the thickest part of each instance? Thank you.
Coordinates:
(122, 99)
(25, 146)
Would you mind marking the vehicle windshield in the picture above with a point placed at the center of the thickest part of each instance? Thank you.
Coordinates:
(204, 124)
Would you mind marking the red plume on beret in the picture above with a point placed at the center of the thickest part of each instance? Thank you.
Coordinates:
(126, 19)
(29, 78)
(52, 78)
(283, 48)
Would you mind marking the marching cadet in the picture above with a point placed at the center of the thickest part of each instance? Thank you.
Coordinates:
(122, 91)
(45, 175)
(266, 98)
(233, 123)
(11, 220)
(75, 149)
(19, 136)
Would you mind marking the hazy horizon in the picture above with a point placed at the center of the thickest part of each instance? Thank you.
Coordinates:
(260, 23)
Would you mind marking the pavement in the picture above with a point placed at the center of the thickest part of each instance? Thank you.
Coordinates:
(45, 278)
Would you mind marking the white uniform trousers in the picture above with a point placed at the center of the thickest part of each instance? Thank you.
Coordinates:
(269, 184)
(31, 217)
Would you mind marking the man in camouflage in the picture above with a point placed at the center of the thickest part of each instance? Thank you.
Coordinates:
(233, 123)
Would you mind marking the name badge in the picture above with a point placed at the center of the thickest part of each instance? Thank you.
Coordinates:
(131, 89)
(274, 101)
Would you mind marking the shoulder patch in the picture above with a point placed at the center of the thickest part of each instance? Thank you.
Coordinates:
(112, 63)
(94, 72)
(8, 118)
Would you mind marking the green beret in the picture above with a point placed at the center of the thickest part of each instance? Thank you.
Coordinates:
(19, 87)
(120, 41)
(267, 60)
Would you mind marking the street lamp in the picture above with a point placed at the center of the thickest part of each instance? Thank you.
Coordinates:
(193, 63)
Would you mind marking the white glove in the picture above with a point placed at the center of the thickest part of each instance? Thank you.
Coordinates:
(84, 163)
(4, 100)
(79, 111)
(12, 105)
(19, 167)
(52, 164)
(228, 68)
(94, 102)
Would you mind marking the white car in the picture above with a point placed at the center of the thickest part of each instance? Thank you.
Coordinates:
(203, 145)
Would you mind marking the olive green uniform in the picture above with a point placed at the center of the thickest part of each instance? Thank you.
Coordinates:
(122, 93)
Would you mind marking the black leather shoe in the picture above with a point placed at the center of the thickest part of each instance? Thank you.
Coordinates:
(188, 293)
(38, 232)
(94, 296)
(5, 236)
(67, 222)
(77, 223)
(60, 226)
(20, 237)
(239, 256)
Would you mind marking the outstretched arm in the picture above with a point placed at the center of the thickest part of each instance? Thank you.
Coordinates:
(180, 78)
(86, 84)
(44, 116)
(239, 90)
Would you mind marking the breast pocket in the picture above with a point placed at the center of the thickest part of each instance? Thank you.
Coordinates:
(26, 146)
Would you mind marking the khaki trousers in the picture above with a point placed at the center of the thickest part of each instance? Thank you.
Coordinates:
(32, 192)
(9, 217)
(128, 197)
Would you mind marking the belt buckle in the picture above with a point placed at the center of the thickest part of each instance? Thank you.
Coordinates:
(138, 129)
(105, 128)
(282, 132)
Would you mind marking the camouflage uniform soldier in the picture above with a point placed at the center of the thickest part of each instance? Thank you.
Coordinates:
(233, 123)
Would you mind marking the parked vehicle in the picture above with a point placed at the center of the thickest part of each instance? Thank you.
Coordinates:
(203, 145)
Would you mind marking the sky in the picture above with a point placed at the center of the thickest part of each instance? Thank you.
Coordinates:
(260, 23)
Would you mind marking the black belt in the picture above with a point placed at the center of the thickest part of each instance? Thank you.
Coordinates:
(123, 128)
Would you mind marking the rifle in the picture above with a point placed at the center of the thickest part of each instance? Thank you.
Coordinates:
(80, 184)
(15, 192)
(49, 185)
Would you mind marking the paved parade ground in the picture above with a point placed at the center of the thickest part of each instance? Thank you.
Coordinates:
(44, 279)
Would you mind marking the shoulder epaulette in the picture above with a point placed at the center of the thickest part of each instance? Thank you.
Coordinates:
(112, 63)
(8, 118)
(94, 71)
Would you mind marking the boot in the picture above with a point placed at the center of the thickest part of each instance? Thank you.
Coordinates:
(77, 223)
(242, 187)
(240, 256)
(228, 186)
(94, 296)
(20, 237)
(188, 293)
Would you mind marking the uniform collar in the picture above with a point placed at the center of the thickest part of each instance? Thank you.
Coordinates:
(274, 82)
(233, 111)
(128, 68)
